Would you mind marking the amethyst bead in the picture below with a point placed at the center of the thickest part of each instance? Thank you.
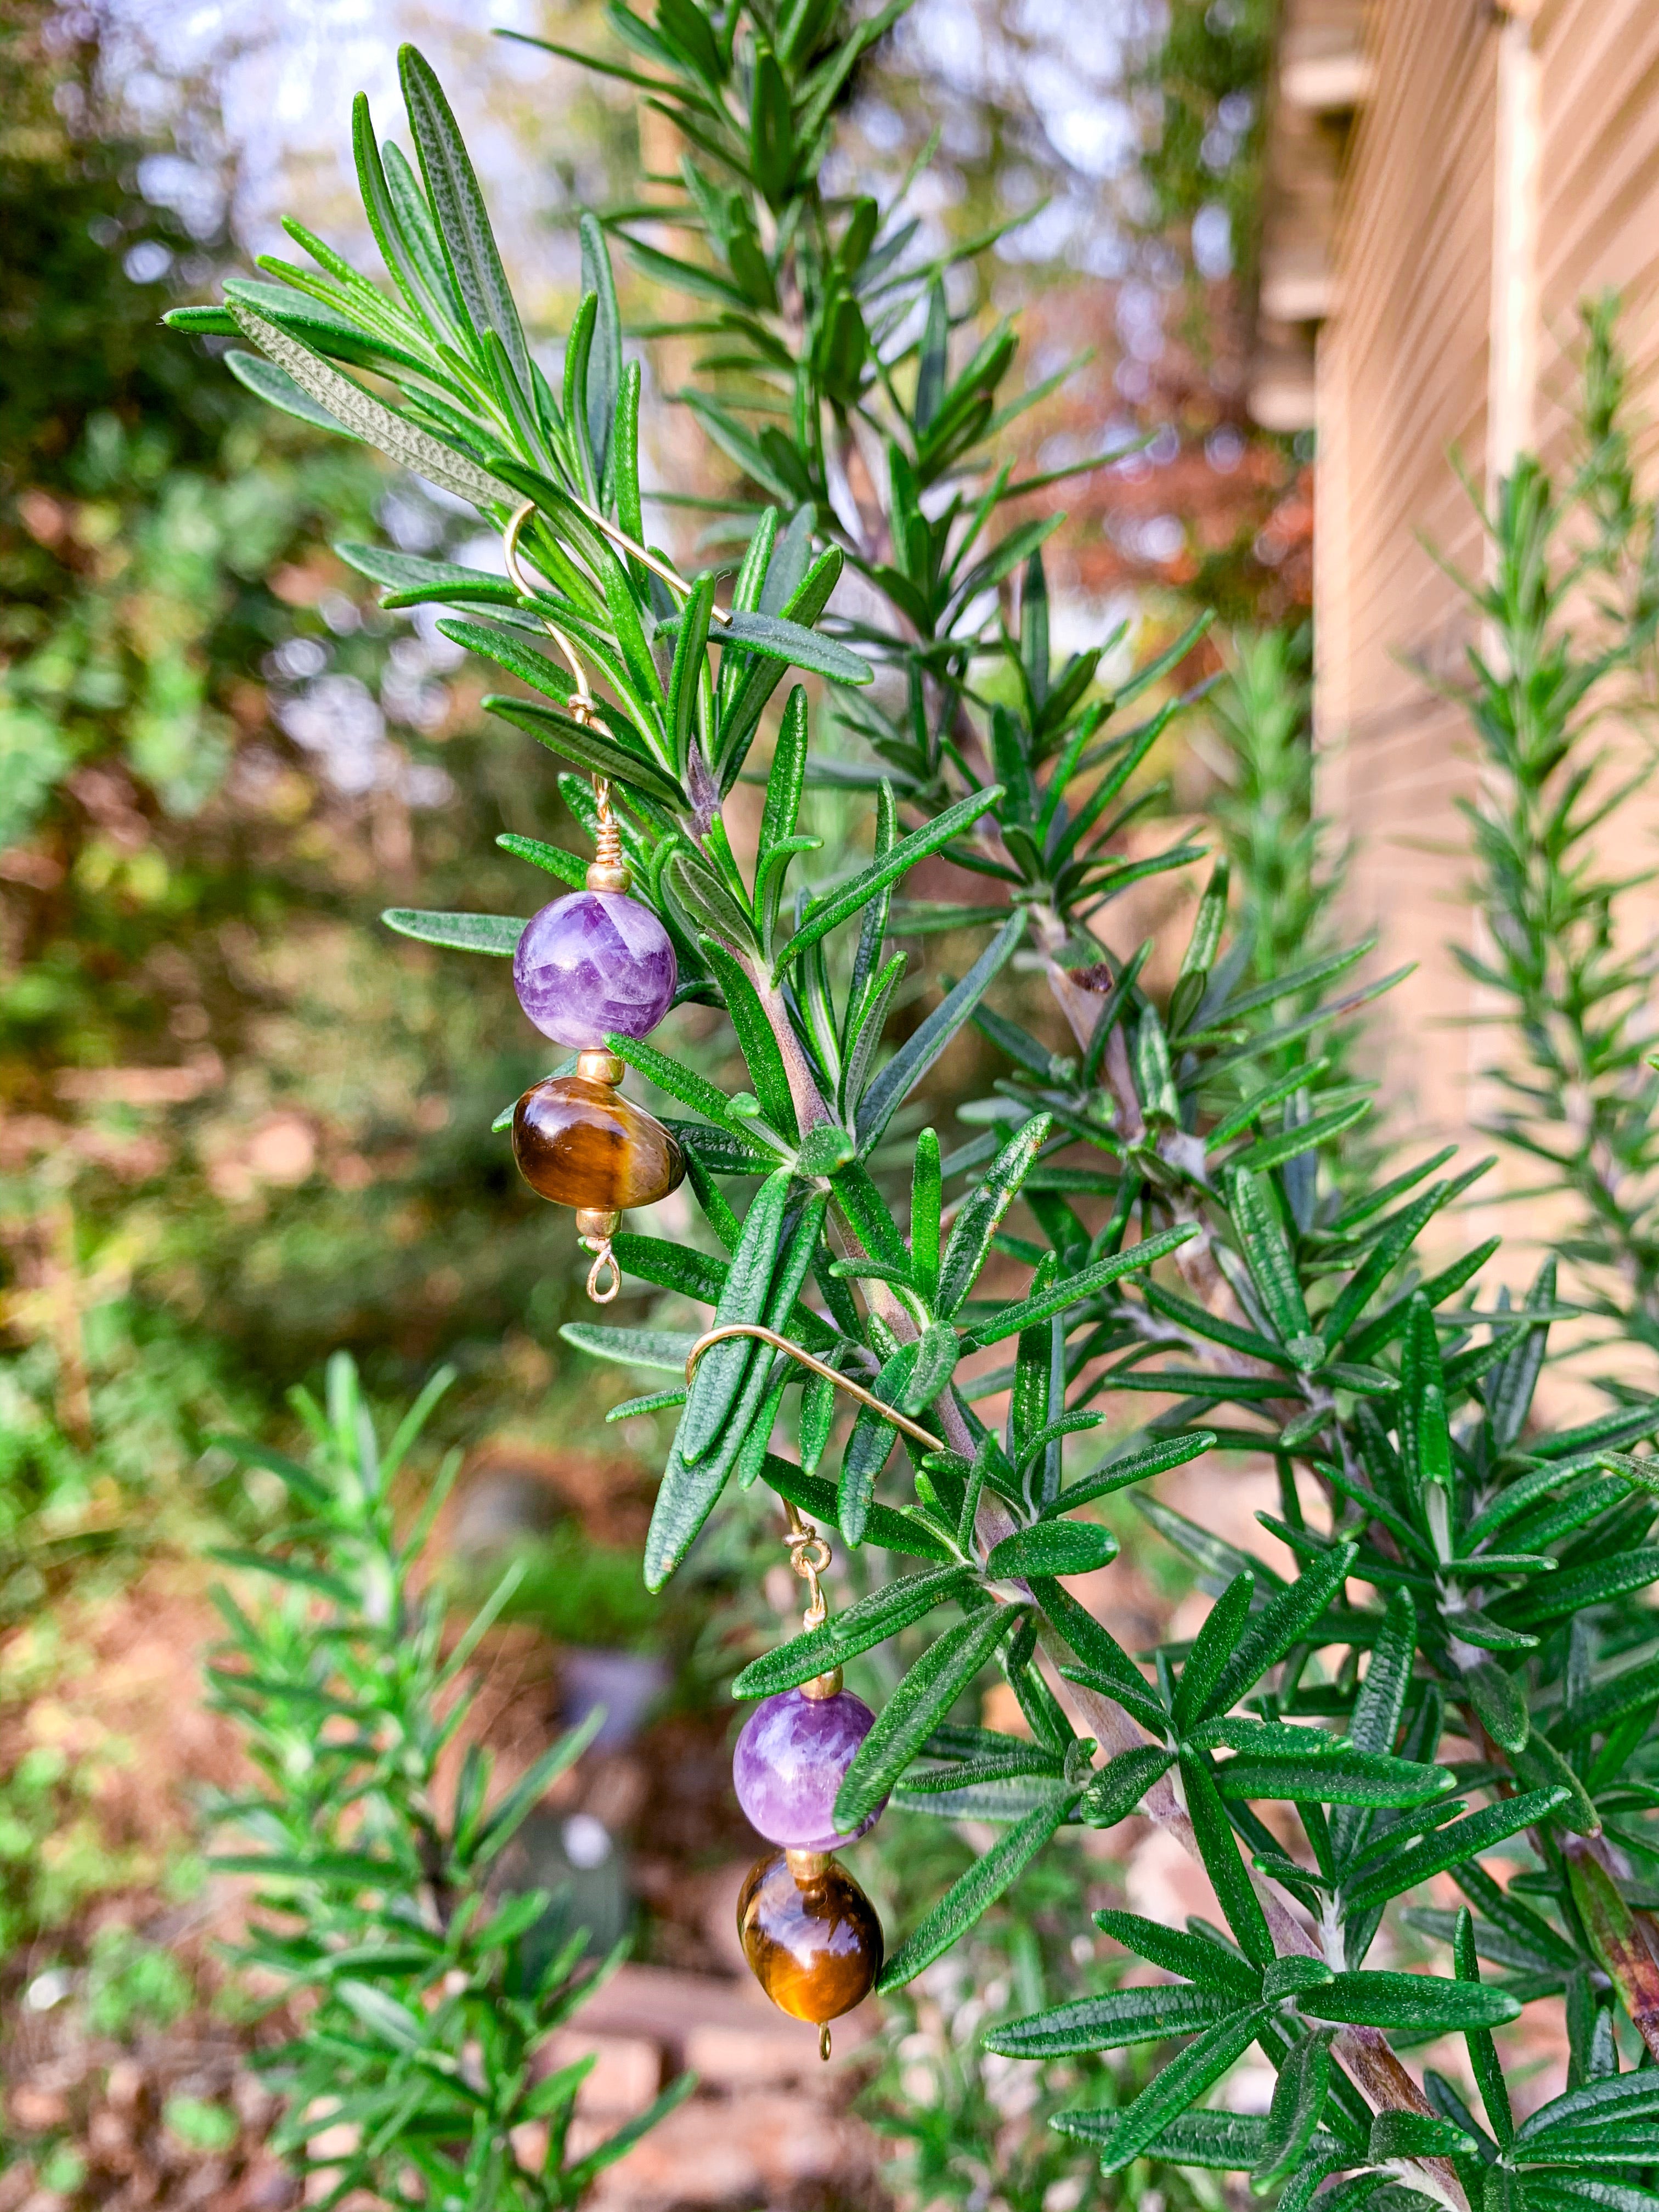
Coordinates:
(594, 962)
(789, 1763)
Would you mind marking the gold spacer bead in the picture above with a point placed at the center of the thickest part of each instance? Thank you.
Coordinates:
(596, 1221)
(608, 876)
(807, 1866)
(598, 1065)
(822, 1686)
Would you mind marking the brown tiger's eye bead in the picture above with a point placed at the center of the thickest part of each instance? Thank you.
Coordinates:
(812, 1939)
(583, 1144)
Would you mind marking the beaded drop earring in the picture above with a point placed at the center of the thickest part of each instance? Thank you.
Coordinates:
(811, 1935)
(594, 964)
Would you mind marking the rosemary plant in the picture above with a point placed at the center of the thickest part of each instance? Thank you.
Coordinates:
(1570, 964)
(423, 1994)
(1448, 1662)
(1286, 872)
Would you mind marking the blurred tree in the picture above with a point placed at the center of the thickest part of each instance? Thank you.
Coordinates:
(1204, 82)
(215, 762)
(1209, 76)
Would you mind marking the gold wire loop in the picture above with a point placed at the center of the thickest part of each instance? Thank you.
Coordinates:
(809, 1556)
(604, 1260)
(901, 1422)
(607, 844)
(809, 1552)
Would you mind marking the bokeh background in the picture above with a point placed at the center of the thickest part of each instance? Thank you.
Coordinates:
(242, 1126)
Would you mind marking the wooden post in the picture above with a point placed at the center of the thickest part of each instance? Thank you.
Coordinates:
(1512, 365)
(1511, 404)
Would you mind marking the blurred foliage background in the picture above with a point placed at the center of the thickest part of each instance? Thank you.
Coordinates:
(240, 1124)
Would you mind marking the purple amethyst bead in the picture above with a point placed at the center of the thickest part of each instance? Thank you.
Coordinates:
(594, 962)
(789, 1763)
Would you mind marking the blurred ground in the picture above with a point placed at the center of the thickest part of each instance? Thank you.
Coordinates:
(124, 2041)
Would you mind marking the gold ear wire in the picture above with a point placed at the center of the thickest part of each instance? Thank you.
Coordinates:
(619, 539)
(608, 864)
(643, 555)
(764, 1335)
(581, 705)
(809, 1551)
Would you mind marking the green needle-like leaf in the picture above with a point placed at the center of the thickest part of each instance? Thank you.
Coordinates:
(1267, 1253)
(1228, 1876)
(469, 243)
(1125, 2136)
(1397, 2135)
(722, 1370)
(498, 933)
(1121, 1783)
(1596, 2125)
(1298, 2105)
(353, 410)
(895, 1606)
(972, 1895)
(1199, 1958)
(1212, 1647)
(982, 1211)
(1285, 1619)
(891, 1531)
(839, 906)
(1452, 1845)
(1484, 2061)
(883, 1096)
(870, 1443)
(1424, 2003)
(1053, 1548)
(1110, 2022)
(991, 1328)
(922, 1698)
(1116, 1473)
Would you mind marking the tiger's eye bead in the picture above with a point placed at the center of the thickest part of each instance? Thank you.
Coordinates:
(790, 1760)
(584, 1144)
(809, 1934)
(594, 962)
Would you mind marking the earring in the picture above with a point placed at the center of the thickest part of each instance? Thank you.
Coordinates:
(809, 1934)
(592, 964)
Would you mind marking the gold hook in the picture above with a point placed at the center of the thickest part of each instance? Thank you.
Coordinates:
(757, 1329)
(809, 1556)
(643, 555)
(580, 705)
(669, 576)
